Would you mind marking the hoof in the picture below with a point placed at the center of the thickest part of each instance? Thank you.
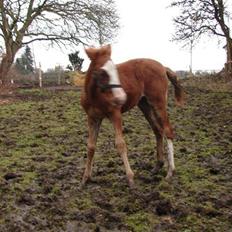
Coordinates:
(158, 167)
(131, 183)
(82, 186)
(170, 174)
(168, 177)
(130, 178)
(85, 180)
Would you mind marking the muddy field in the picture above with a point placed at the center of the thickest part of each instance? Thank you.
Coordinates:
(43, 148)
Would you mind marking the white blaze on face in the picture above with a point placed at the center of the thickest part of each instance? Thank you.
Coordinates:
(118, 92)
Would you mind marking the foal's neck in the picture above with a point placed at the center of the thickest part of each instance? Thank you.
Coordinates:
(90, 85)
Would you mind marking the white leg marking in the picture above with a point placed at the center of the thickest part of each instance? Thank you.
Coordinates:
(171, 165)
(111, 69)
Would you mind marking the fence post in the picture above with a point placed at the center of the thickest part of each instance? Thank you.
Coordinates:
(59, 76)
(40, 76)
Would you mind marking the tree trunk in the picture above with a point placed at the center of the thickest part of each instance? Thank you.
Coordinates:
(5, 65)
(8, 59)
(228, 65)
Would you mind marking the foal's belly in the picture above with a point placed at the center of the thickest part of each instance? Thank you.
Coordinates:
(132, 101)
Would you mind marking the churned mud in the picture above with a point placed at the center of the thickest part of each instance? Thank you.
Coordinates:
(43, 149)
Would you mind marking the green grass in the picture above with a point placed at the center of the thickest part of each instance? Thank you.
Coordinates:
(43, 142)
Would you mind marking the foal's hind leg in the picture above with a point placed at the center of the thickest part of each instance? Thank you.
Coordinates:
(149, 115)
(94, 125)
(160, 112)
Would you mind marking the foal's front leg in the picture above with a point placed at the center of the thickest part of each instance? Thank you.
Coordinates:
(121, 145)
(93, 125)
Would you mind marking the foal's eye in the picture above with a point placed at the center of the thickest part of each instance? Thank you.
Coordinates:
(96, 75)
(100, 75)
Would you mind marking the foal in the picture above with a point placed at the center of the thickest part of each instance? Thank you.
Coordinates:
(112, 89)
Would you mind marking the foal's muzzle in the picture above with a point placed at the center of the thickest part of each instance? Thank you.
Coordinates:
(119, 96)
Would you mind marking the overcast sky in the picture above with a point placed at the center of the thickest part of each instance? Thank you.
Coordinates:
(146, 31)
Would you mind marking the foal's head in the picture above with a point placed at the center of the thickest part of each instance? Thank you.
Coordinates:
(105, 73)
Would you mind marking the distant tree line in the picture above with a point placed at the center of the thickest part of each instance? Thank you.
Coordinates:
(24, 73)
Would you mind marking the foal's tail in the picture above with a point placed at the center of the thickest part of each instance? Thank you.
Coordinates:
(179, 92)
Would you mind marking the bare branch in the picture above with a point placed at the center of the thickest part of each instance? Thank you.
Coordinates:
(199, 17)
(60, 22)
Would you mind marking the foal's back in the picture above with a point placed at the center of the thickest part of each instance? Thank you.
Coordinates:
(142, 77)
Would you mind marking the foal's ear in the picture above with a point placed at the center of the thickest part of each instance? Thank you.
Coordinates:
(107, 49)
(91, 53)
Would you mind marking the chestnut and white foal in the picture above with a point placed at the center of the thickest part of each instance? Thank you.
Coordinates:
(113, 89)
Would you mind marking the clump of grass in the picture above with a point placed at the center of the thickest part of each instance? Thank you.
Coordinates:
(212, 82)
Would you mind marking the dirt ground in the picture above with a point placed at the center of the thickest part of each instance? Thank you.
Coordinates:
(43, 149)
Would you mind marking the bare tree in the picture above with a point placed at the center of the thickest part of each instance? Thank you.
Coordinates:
(200, 17)
(60, 22)
(101, 31)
